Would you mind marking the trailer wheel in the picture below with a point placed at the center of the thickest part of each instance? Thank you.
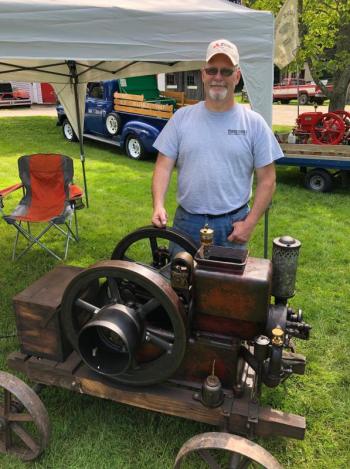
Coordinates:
(319, 180)
(303, 99)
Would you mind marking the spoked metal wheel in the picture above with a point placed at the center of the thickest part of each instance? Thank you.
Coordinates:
(218, 450)
(151, 246)
(125, 321)
(24, 421)
(329, 130)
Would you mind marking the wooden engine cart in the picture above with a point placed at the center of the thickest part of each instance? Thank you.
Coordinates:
(192, 335)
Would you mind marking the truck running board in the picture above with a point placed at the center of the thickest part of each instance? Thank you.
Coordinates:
(115, 141)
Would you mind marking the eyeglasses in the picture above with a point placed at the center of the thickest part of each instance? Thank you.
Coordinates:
(225, 72)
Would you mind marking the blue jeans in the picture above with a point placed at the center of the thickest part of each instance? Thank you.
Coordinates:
(191, 223)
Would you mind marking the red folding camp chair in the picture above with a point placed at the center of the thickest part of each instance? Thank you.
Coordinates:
(49, 197)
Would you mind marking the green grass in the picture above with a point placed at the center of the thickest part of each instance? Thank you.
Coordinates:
(93, 433)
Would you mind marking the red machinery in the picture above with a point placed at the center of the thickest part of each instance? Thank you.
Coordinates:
(331, 128)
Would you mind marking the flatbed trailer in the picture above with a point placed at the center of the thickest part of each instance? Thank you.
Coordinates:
(320, 163)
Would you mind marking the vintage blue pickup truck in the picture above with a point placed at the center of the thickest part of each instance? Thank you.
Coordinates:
(128, 113)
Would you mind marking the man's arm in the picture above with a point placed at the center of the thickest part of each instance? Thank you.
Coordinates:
(160, 183)
(265, 188)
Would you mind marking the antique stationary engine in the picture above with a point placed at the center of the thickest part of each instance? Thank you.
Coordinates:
(207, 309)
(193, 334)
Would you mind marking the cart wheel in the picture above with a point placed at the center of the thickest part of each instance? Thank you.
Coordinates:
(223, 450)
(319, 180)
(24, 421)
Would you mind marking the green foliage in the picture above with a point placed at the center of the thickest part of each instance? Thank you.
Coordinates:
(95, 433)
(324, 29)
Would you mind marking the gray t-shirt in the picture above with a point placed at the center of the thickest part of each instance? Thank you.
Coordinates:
(216, 154)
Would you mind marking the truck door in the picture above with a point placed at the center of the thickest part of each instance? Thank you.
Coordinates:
(94, 108)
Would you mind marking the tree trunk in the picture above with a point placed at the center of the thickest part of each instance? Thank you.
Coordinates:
(338, 96)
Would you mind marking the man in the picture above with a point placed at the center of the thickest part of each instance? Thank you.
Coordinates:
(216, 145)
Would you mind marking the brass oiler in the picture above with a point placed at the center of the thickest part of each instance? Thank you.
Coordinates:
(207, 239)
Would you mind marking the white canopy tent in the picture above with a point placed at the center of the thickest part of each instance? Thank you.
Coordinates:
(71, 42)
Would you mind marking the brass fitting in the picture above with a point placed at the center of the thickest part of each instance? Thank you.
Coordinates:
(277, 336)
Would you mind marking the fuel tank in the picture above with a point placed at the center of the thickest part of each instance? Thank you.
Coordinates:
(231, 292)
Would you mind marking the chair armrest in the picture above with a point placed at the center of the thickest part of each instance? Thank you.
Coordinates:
(8, 190)
(76, 196)
(75, 192)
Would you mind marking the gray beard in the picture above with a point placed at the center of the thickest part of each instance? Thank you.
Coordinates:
(218, 95)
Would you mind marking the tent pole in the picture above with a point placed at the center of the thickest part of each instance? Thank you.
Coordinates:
(74, 75)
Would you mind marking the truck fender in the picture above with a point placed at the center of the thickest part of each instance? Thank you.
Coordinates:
(145, 132)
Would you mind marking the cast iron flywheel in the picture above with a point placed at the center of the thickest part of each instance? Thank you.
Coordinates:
(152, 246)
(125, 321)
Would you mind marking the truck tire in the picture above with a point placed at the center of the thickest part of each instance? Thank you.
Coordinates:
(285, 101)
(68, 131)
(134, 148)
(113, 123)
(319, 180)
(303, 99)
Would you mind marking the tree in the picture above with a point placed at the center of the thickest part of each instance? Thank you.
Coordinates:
(324, 31)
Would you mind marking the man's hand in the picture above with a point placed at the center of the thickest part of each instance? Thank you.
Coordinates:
(241, 232)
(160, 183)
(159, 217)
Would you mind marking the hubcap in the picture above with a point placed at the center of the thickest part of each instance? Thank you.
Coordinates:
(68, 131)
(134, 148)
(317, 183)
(112, 125)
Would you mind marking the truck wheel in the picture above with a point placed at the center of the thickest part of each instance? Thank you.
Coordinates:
(68, 131)
(134, 148)
(319, 180)
(113, 124)
(284, 101)
(303, 99)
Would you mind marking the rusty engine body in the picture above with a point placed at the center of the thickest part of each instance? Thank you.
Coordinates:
(140, 325)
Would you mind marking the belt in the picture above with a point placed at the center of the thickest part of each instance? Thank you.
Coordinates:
(233, 212)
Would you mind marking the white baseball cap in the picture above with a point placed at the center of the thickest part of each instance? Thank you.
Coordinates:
(223, 46)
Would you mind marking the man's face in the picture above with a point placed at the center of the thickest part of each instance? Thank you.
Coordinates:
(219, 87)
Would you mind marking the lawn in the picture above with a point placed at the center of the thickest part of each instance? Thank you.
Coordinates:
(93, 433)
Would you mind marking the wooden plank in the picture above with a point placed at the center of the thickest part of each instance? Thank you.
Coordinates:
(179, 96)
(144, 112)
(271, 422)
(133, 97)
(144, 105)
(71, 364)
(163, 398)
(320, 150)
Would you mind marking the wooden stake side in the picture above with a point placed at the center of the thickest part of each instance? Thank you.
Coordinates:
(133, 97)
(144, 111)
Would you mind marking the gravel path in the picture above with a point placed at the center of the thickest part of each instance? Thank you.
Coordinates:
(283, 114)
